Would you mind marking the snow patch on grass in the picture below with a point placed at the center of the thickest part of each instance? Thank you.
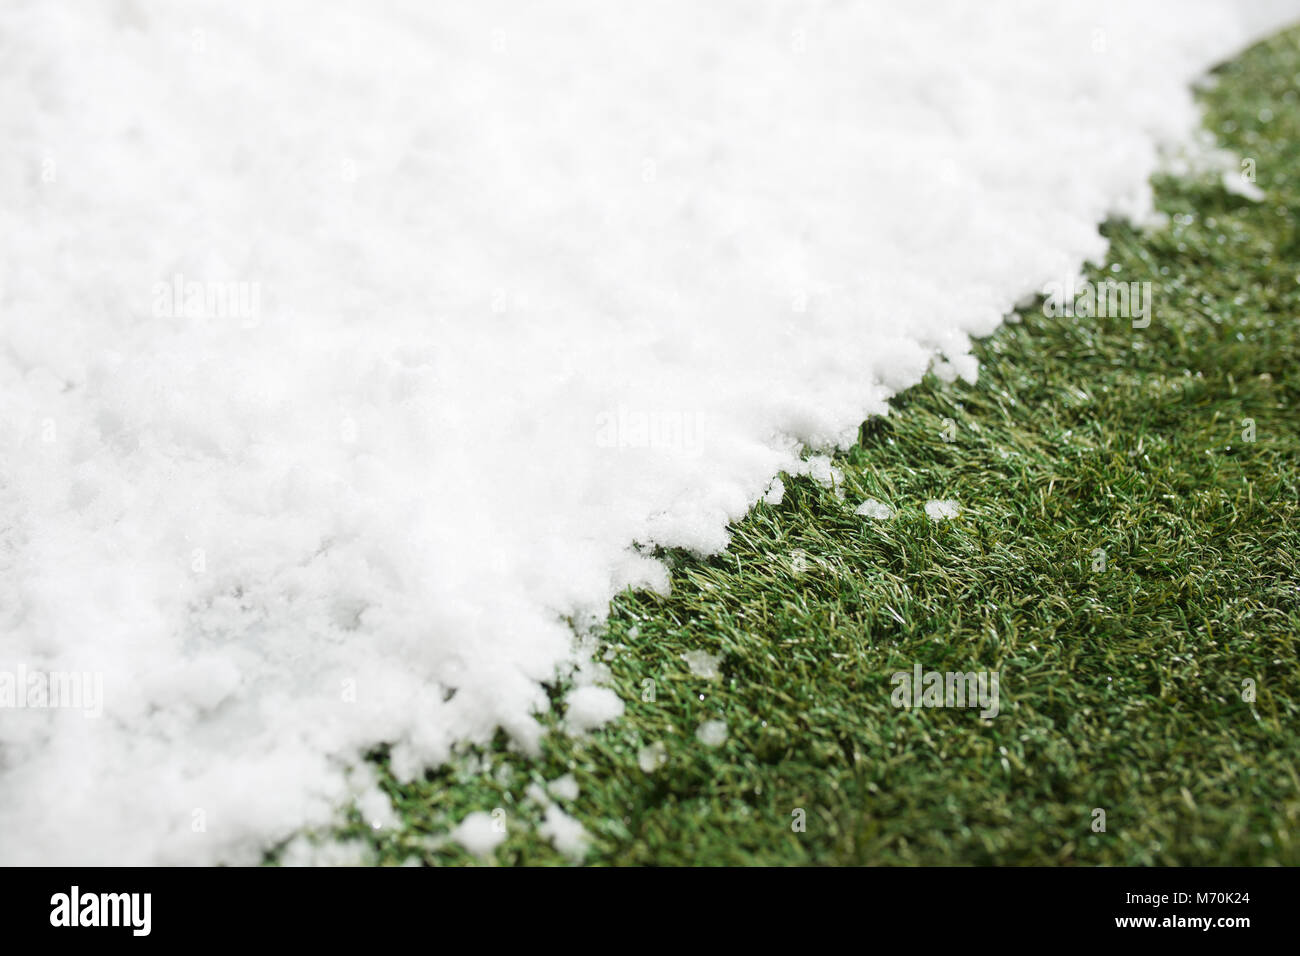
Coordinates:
(479, 833)
(712, 733)
(703, 664)
(876, 510)
(565, 833)
(942, 510)
(348, 353)
(587, 708)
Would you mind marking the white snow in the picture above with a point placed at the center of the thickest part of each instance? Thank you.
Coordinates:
(346, 349)
(1235, 184)
(942, 509)
(565, 833)
(652, 756)
(563, 788)
(376, 809)
(303, 851)
(712, 733)
(703, 664)
(820, 469)
(878, 510)
(589, 707)
(479, 833)
(775, 492)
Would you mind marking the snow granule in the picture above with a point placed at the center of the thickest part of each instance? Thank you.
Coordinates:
(941, 510)
(589, 707)
(564, 788)
(565, 833)
(712, 733)
(871, 508)
(703, 664)
(652, 756)
(479, 833)
(307, 851)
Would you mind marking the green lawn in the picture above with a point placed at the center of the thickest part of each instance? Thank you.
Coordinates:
(1121, 689)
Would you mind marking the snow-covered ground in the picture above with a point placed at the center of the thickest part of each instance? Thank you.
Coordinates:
(346, 349)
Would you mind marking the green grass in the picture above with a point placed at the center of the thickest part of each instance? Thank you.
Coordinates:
(1121, 689)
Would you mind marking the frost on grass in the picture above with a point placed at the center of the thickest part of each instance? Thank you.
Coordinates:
(346, 477)
(942, 509)
(878, 510)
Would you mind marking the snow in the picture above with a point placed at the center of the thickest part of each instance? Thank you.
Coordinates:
(712, 733)
(303, 851)
(775, 492)
(563, 788)
(479, 833)
(373, 804)
(942, 510)
(652, 756)
(349, 351)
(1234, 183)
(565, 833)
(703, 664)
(820, 470)
(589, 707)
(877, 510)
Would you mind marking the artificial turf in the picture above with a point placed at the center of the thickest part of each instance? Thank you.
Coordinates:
(1121, 689)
